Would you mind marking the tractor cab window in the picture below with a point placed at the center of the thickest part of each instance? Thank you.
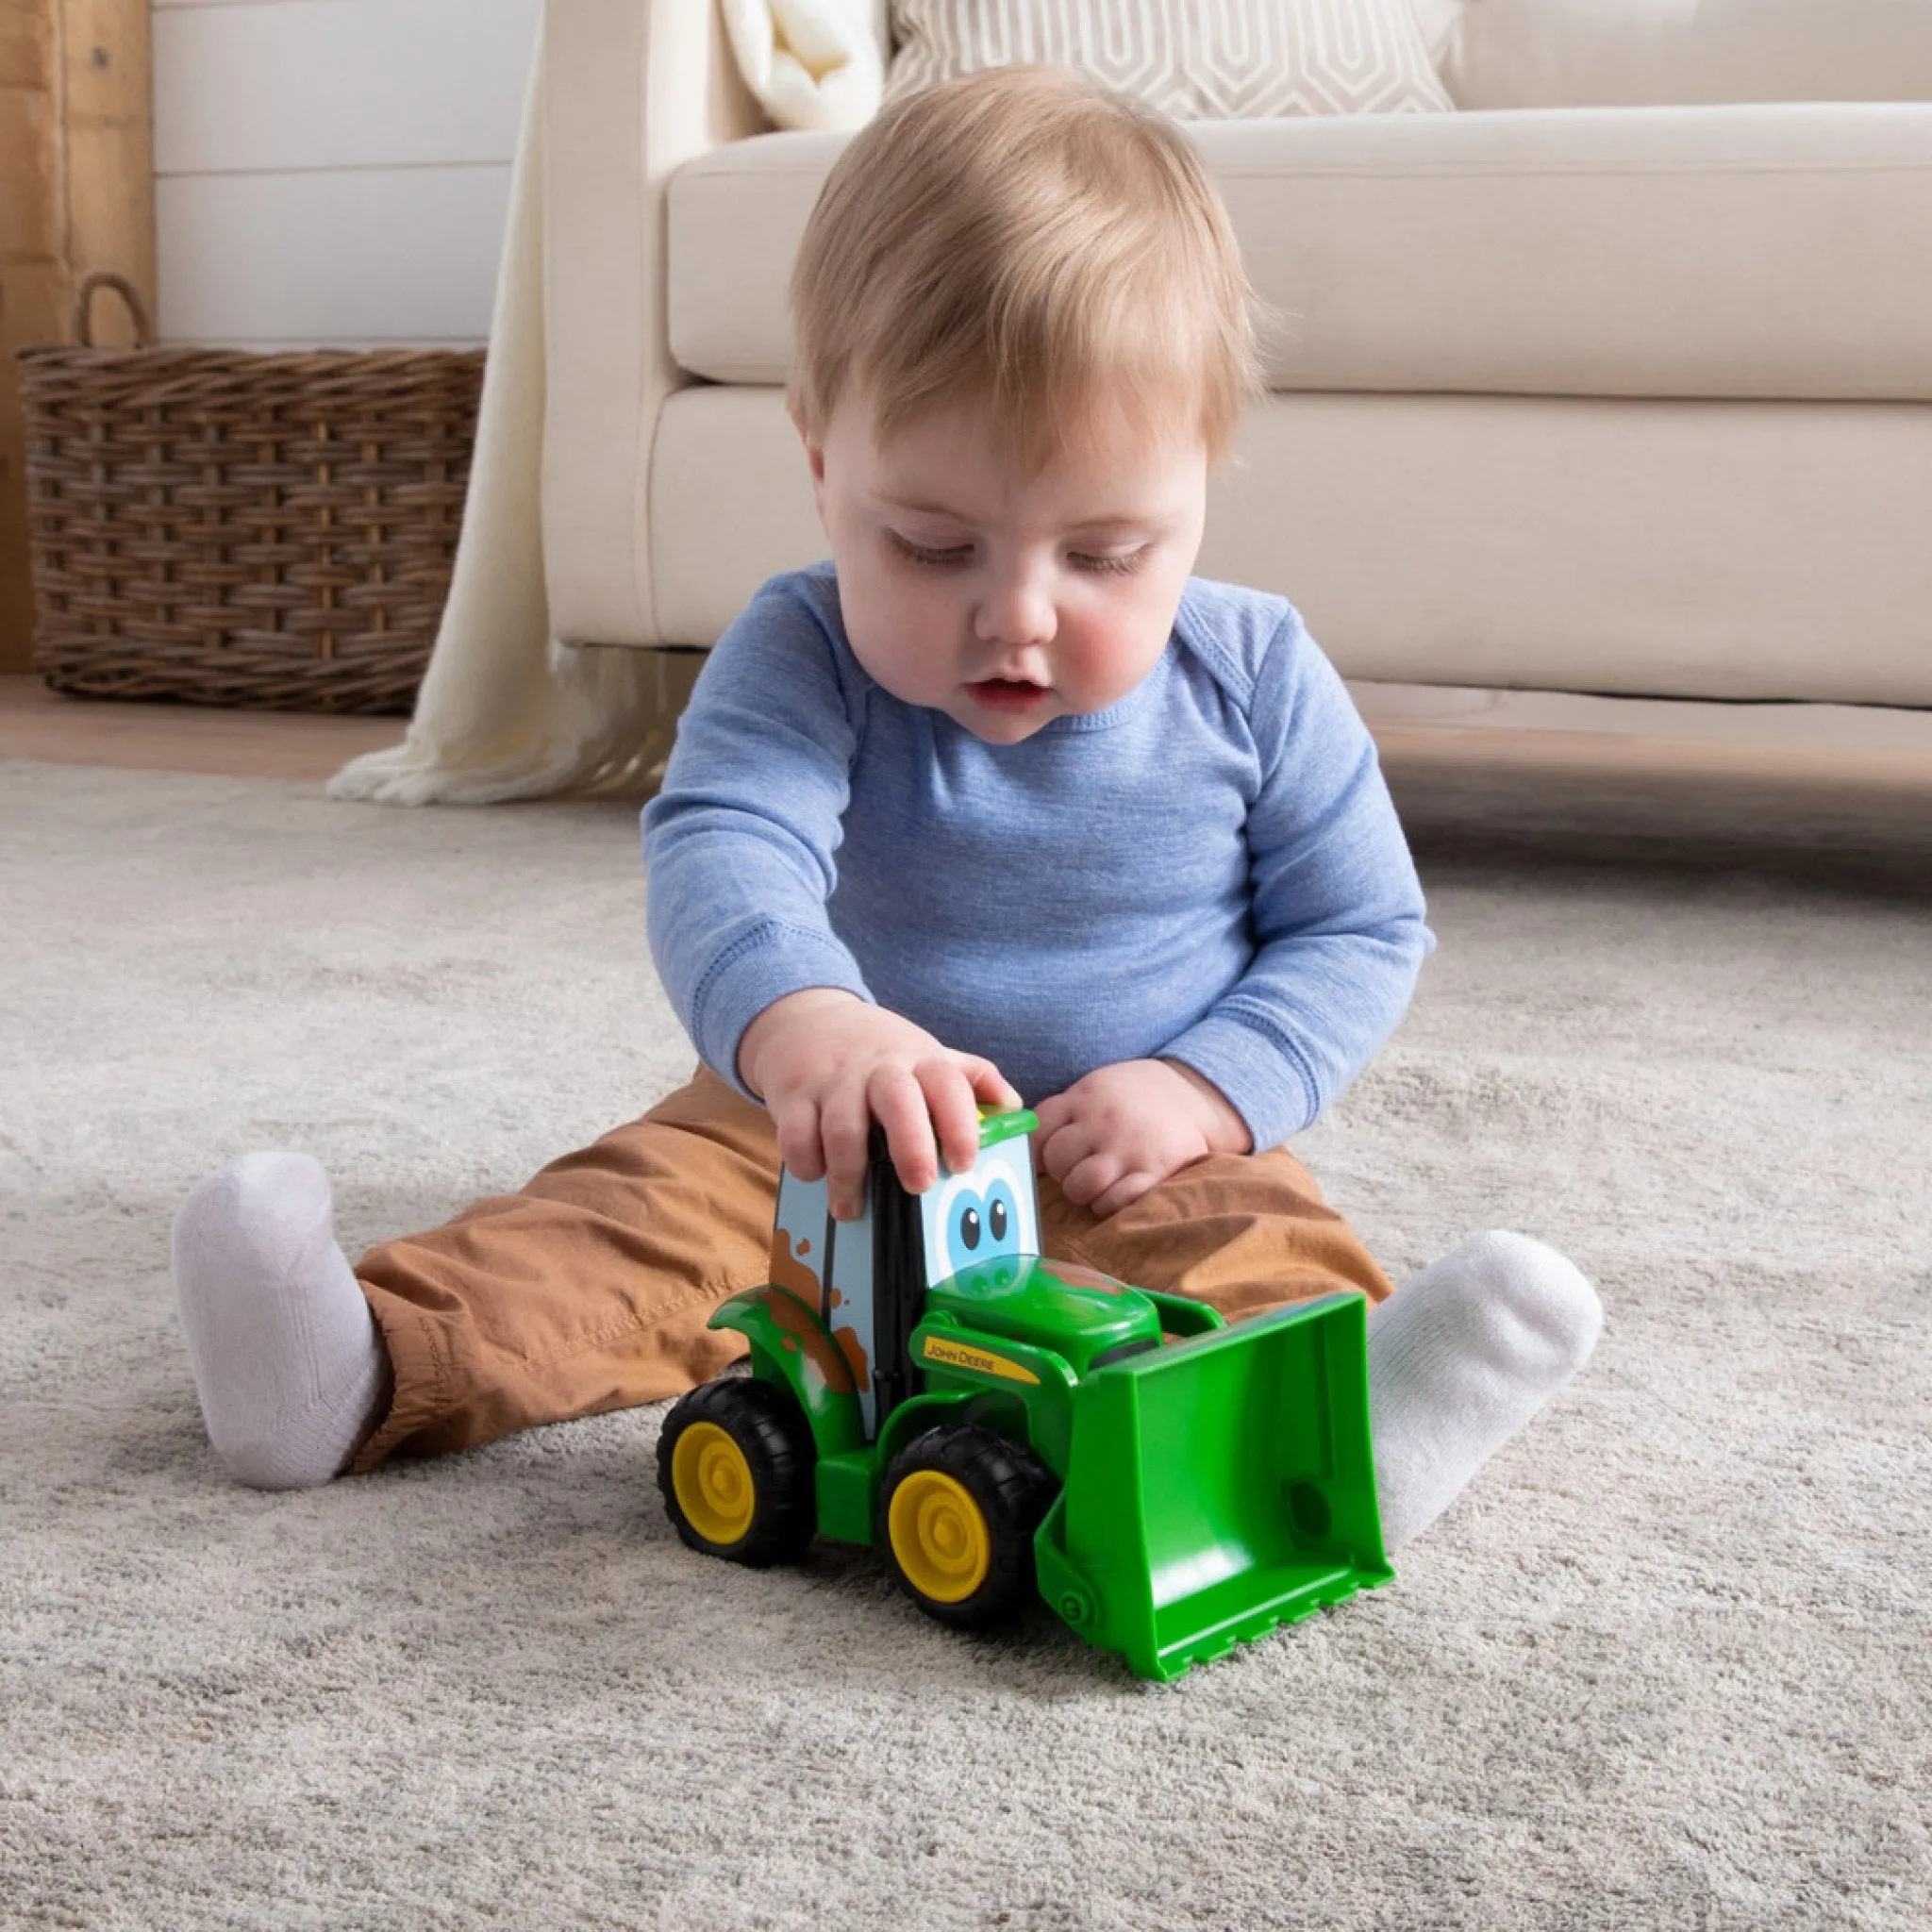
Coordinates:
(988, 1211)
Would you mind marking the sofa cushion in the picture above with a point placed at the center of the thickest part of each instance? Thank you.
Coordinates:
(1777, 251)
(1680, 549)
(1233, 59)
(1656, 52)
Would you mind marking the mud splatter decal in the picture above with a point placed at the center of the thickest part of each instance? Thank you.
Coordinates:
(822, 1357)
(789, 1272)
(855, 1353)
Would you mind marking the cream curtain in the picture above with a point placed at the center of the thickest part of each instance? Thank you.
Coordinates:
(504, 711)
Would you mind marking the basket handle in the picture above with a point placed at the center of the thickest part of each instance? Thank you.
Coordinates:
(83, 309)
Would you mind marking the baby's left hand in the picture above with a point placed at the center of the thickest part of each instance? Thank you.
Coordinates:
(1124, 1128)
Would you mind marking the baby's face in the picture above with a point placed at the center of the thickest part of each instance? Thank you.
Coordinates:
(1001, 600)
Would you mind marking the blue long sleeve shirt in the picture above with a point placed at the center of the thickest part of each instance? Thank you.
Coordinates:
(1209, 871)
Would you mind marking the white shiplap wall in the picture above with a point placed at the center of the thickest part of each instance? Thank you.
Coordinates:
(334, 172)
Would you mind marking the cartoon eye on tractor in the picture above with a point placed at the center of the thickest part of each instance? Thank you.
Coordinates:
(1004, 1426)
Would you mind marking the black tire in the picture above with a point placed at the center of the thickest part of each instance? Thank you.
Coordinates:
(780, 1458)
(1011, 1490)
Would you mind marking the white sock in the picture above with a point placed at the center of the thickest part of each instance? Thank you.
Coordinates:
(288, 1360)
(1461, 1358)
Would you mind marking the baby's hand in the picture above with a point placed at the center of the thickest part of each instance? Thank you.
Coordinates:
(826, 1065)
(1124, 1128)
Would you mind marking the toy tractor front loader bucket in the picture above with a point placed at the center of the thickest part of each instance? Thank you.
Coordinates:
(1217, 1488)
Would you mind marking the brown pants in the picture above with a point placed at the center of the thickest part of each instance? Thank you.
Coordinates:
(589, 1290)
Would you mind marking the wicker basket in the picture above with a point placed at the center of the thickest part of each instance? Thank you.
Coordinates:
(235, 528)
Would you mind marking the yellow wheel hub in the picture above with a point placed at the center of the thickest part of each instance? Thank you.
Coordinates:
(939, 1535)
(713, 1483)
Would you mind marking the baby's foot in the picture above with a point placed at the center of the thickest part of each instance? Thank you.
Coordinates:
(288, 1360)
(1459, 1359)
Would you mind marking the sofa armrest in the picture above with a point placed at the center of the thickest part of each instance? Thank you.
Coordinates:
(632, 90)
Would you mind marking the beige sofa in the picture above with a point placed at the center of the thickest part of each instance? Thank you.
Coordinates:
(1602, 398)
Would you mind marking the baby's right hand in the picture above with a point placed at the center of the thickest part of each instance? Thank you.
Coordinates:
(826, 1065)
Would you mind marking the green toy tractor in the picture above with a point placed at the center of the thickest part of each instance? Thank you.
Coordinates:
(1005, 1426)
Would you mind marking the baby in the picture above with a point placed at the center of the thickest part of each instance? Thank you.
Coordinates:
(999, 805)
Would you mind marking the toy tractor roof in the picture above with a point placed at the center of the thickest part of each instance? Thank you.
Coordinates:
(1003, 1126)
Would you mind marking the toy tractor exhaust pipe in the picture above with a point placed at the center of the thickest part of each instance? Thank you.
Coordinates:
(1216, 1488)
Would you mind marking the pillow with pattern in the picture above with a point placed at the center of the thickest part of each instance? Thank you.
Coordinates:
(1194, 60)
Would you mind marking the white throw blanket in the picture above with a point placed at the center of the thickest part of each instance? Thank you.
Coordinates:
(812, 63)
(504, 710)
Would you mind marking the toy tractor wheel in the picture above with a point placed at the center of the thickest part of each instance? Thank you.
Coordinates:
(736, 1465)
(956, 1515)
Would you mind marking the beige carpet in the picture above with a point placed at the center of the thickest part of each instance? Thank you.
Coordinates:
(1669, 1664)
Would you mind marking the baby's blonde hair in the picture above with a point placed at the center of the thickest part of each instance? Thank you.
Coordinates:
(1028, 235)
